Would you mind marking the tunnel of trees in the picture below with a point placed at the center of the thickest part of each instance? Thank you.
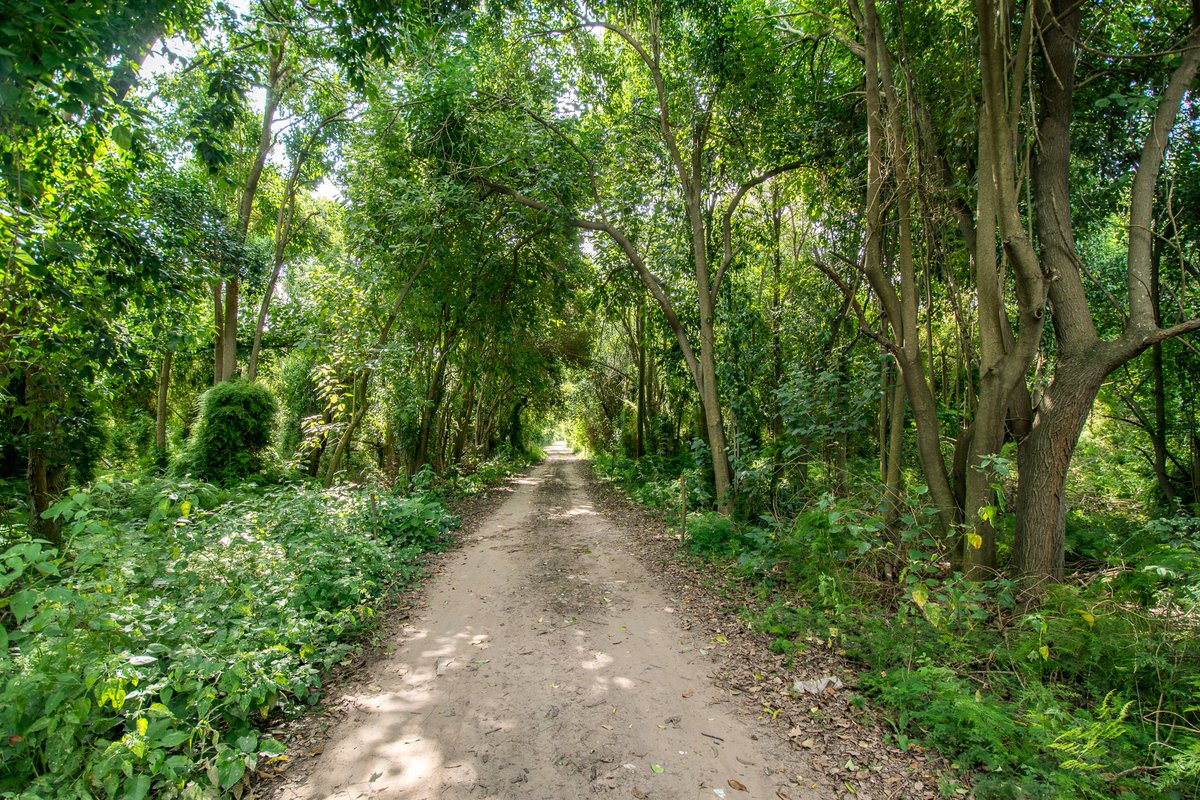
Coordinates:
(900, 298)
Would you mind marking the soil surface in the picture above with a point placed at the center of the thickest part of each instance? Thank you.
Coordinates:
(547, 662)
(563, 651)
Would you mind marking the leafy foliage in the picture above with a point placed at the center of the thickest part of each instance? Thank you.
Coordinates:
(149, 657)
(236, 422)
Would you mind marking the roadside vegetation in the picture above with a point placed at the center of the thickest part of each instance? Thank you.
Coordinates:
(903, 298)
(1088, 692)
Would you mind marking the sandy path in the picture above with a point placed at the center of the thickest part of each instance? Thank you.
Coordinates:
(564, 674)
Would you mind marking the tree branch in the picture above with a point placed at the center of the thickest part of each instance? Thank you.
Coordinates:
(727, 217)
(649, 279)
(849, 294)
(1145, 181)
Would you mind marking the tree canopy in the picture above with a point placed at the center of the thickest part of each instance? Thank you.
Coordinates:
(936, 263)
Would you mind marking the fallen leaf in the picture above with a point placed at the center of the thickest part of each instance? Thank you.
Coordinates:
(782, 795)
(657, 769)
(738, 785)
(818, 685)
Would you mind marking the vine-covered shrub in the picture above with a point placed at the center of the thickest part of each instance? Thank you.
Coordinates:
(236, 419)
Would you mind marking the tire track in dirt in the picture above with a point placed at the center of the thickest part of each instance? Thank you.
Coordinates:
(546, 663)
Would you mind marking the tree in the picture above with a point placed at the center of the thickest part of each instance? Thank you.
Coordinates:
(708, 86)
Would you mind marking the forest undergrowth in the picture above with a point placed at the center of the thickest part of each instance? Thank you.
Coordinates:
(1090, 691)
(147, 656)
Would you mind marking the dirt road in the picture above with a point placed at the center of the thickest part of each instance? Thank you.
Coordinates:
(546, 663)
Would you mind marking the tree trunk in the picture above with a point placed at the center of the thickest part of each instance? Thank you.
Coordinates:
(46, 465)
(360, 411)
(464, 427)
(160, 410)
(640, 443)
(266, 139)
(284, 220)
(218, 291)
(901, 309)
(1159, 434)
(514, 427)
(229, 351)
(894, 473)
(318, 450)
(1043, 462)
(433, 401)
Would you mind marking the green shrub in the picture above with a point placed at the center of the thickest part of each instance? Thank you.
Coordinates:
(711, 534)
(146, 660)
(948, 713)
(236, 419)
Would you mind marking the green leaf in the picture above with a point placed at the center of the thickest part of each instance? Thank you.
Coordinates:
(22, 603)
(247, 743)
(173, 738)
(122, 137)
(137, 787)
(271, 747)
(230, 772)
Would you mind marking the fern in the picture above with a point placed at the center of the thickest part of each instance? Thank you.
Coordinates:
(1085, 745)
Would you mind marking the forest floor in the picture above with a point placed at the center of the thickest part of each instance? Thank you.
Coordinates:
(562, 652)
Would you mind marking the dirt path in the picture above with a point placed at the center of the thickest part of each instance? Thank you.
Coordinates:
(547, 663)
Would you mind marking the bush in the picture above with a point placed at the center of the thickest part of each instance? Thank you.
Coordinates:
(236, 419)
(1068, 699)
(147, 660)
(711, 534)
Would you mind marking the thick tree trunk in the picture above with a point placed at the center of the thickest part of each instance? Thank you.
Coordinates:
(465, 423)
(433, 402)
(1083, 360)
(640, 442)
(514, 427)
(1043, 462)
